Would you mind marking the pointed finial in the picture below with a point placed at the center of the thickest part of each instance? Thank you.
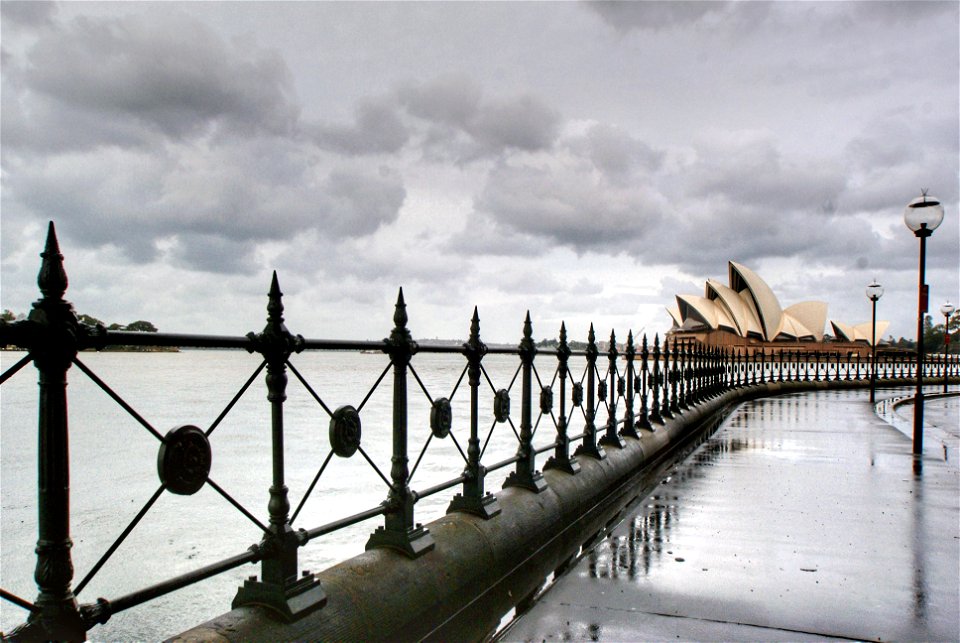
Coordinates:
(52, 278)
(275, 301)
(563, 349)
(475, 326)
(527, 327)
(591, 336)
(400, 313)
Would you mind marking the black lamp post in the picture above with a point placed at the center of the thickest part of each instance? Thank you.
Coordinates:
(874, 292)
(922, 216)
(947, 310)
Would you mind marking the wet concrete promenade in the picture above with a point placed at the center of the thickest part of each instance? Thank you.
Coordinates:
(799, 519)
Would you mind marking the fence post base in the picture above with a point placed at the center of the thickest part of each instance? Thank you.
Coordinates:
(290, 603)
(412, 542)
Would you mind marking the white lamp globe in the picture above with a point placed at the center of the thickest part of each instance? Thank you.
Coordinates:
(874, 291)
(924, 212)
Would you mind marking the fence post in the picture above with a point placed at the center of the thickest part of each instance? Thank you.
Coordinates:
(53, 332)
(644, 421)
(666, 406)
(561, 455)
(682, 376)
(399, 531)
(726, 354)
(716, 387)
(693, 366)
(655, 407)
(589, 447)
(279, 589)
(473, 499)
(610, 437)
(525, 475)
(674, 402)
(629, 423)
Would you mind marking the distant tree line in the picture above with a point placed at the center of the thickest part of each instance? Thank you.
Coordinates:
(934, 337)
(553, 343)
(140, 325)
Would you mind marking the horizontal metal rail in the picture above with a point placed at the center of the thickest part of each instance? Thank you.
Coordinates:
(634, 388)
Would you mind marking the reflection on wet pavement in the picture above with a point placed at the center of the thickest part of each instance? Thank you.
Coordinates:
(800, 518)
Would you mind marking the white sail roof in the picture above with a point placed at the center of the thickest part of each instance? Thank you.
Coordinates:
(749, 308)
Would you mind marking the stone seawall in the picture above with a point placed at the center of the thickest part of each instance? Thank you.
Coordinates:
(481, 569)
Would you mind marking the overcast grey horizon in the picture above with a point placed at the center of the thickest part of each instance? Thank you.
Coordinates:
(583, 161)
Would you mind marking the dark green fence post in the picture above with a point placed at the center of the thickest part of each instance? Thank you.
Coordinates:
(561, 455)
(666, 407)
(655, 415)
(526, 474)
(589, 447)
(629, 423)
(399, 531)
(473, 499)
(279, 588)
(610, 437)
(674, 381)
(682, 376)
(52, 332)
(644, 421)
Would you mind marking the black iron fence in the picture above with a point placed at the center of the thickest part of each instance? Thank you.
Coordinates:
(619, 393)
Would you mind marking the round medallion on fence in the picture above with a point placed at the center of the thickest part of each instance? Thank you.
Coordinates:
(577, 394)
(601, 390)
(345, 431)
(621, 386)
(184, 460)
(441, 417)
(546, 400)
(501, 405)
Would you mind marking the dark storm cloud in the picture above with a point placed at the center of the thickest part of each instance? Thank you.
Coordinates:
(452, 100)
(900, 13)
(377, 129)
(212, 253)
(359, 202)
(158, 136)
(567, 205)
(754, 173)
(614, 152)
(464, 126)
(174, 77)
(654, 14)
(28, 12)
(524, 122)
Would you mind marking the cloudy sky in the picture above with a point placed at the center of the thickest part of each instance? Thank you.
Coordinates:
(585, 161)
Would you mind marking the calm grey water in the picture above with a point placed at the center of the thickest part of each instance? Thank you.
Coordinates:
(113, 468)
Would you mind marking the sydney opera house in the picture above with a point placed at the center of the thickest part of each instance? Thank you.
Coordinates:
(745, 313)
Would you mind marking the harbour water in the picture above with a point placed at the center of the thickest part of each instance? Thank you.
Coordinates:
(114, 471)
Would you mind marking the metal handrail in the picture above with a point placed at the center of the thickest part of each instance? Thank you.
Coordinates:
(652, 386)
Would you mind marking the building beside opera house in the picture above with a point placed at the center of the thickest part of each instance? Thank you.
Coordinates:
(746, 314)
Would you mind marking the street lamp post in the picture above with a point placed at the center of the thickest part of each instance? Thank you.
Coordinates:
(874, 292)
(947, 310)
(922, 216)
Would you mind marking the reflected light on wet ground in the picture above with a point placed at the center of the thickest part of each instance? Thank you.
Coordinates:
(800, 518)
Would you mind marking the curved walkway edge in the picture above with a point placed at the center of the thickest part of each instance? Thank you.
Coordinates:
(481, 569)
(799, 519)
